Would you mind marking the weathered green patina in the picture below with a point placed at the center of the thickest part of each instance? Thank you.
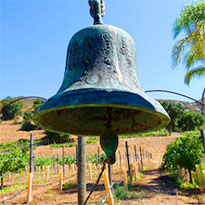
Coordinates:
(101, 90)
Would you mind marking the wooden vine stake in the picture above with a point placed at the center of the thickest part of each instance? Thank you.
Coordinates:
(30, 172)
(47, 172)
(107, 186)
(90, 170)
(61, 178)
(43, 170)
(73, 168)
(199, 178)
(29, 186)
(135, 171)
(125, 178)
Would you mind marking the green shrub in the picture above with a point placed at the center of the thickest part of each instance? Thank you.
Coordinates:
(27, 126)
(184, 152)
(28, 116)
(57, 138)
(15, 121)
(121, 194)
(192, 133)
(37, 103)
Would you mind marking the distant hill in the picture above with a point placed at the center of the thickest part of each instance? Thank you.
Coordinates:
(189, 106)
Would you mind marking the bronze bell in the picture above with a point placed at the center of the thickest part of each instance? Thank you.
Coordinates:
(101, 89)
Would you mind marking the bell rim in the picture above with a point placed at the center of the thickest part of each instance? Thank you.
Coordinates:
(166, 119)
(160, 113)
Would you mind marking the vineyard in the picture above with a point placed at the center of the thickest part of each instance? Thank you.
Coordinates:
(55, 172)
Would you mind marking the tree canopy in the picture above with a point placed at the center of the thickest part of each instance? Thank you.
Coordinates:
(191, 49)
(12, 110)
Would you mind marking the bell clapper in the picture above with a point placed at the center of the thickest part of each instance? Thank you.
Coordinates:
(109, 140)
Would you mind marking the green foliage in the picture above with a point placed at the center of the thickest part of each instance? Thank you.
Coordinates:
(57, 138)
(184, 152)
(162, 132)
(37, 103)
(43, 161)
(12, 162)
(27, 126)
(28, 116)
(14, 187)
(94, 158)
(121, 194)
(11, 146)
(15, 121)
(175, 111)
(182, 120)
(191, 121)
(49, 195)
(192, 133)
(70, 160)
(12, 110)
(190, 49)
(189, 17)
(62, 145)
(197, 71)
(69, 185)
(92, 140)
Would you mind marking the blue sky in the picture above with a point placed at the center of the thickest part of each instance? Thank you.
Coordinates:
(35, 35)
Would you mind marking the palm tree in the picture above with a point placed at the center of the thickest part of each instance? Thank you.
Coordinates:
(191, 49)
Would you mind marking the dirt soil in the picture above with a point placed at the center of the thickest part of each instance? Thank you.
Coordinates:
(156, 186)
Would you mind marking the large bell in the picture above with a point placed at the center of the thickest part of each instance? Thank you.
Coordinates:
(101, 73)
(101, 93)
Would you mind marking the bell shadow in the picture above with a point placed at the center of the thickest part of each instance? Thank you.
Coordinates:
(163, 185)
(89, 187)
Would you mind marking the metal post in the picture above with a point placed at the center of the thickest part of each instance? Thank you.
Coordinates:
(110, 174)
(120, 158)
(203, 138)
(98, 155)
(30, 174)
(63, 161)
(81, 161)
(135, 148)
(58, 168)
(54, 163)
(128, 159)
(31, 161)
(141, 159)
